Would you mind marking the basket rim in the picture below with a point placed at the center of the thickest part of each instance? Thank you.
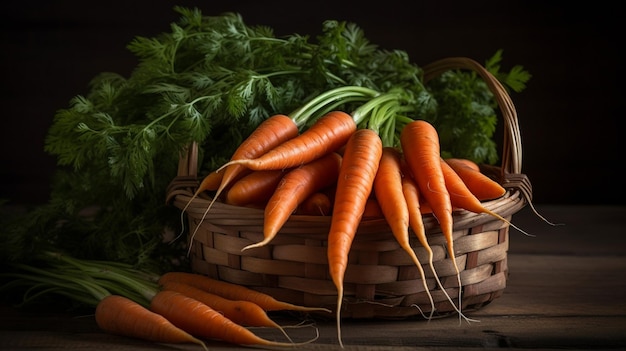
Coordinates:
(181, 194)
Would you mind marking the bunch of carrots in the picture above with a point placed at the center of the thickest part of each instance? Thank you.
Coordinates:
(340, 166)
(176, 307)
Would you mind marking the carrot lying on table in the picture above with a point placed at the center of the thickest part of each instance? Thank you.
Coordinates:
(354, 185)
(234, 292)
(122, 316)
(202, 321)
(244, 313)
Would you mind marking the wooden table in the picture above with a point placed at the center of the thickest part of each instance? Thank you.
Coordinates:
(566, 290)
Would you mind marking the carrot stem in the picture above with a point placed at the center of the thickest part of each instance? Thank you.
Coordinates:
(303, 115)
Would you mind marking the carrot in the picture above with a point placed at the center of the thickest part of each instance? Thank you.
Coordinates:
(267, 135)
(270, 133)
(412, 197)
(120, 315)
(420, 145)
(204, 322)
(244, 313)
(372, 209)
(234, 291)
(389, 193)
(254, 188)
(327, 134)
(354, 185)
(317, 204)
(296, 186)
(211, 182)
(462, 197)
(464, 161)
(483, 187)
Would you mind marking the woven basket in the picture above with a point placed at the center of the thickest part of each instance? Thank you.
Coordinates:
(381, 280)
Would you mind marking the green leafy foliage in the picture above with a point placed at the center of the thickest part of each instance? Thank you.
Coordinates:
(211, 80)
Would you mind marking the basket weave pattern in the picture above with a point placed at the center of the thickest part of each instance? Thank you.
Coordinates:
(381, 280)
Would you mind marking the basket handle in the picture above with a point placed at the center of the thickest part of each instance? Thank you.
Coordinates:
(188, 161)
(186, 180)
(512, 147)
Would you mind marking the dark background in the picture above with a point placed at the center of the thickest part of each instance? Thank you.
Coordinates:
(570, 115)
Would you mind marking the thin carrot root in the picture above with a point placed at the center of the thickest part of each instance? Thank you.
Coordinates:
(411, 194)
(410, 251)
(302, 324)
(443, 289)
(338, 313)
(207, 184)
(493, 214)
(257, 244)
(532, 207)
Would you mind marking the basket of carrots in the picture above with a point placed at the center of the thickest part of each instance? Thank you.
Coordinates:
(345, 222)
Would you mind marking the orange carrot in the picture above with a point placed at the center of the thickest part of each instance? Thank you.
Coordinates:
(464, 161)
(462, 197)
(483, 187)
(354, 185)
(119, 315)
(211, 182)
(267, 135)
(425, 207)
(234, 292)
(388, 190)
(244, 313)
(254, 188)
(420, 145)
(325, 135)
(372, 209)
(317, 204)
(204, 322)
(294, 187)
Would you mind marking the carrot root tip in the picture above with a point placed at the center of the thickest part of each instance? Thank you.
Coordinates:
(255, 245)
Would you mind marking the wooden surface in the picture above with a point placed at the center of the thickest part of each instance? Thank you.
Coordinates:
(565, 290)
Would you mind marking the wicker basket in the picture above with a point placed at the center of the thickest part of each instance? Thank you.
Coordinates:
(381, 281)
